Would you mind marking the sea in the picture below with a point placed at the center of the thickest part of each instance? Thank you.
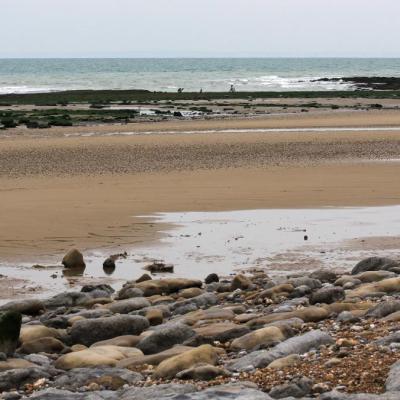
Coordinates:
(191, 74)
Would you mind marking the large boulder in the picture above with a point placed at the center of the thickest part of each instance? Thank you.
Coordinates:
(170, 367)
(375, 264)
(327, 295)
(10, 326)
(165, 336)
(263, 337)
(128, 305)
(295, 345)
(95, 357)
(73, 260)
(27, 306)
(91, 331)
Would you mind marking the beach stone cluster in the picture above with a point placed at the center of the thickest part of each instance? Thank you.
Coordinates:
(247, 336)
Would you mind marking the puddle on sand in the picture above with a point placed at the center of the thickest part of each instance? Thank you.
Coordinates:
(225, 242)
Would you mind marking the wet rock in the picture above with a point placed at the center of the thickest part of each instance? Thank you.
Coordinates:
(375, 264)
(10, 327)
(161, 392)
(170, 367)
(88, 332)
(27, 306)
(295, 345)
(260, 338)
(128, 305)
(96, 357)
(327, 295)
(240, 282)
(324, 276)
(153, 359)
(211, 278)
(42, 345)
(164, 337)
(221, 332)
(296, 388)
(73, 259)
(202, 372)
(383, 309)
(109, 378)
(109, 264)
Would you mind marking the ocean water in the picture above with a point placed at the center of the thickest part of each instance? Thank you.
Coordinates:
(212, 74)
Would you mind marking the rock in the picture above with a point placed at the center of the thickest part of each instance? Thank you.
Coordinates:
(110, 378)
(284, 362)
(327, 295)
(296, 388)
(231, 391)
(295, 345)
(184, 306)
(42, 345)
(260, 338)
(240, 282)
(158, 267)
(120, 341)
(15, 363)
(95, 357)
(375, 264)
(161, 392)
(109, 264)
(34, 332)
(221, 332)
(164, 337)
(324, 276)
(28, 306)
(153, 359)
(10, 326)
(202, 372)
(383, 309)
(167, 286)
(155, 316)
(170, 367)
(88, 332)
(143, 278)
(211, 278)
(73, 259)
(67, 299)
(128, 305)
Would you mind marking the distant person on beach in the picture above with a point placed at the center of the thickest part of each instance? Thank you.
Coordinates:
(232, 89)
(180, 90)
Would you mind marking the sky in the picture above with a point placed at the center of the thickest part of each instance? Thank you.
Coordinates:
(199, 28)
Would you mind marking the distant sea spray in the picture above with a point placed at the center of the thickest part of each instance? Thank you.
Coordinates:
(208, 74)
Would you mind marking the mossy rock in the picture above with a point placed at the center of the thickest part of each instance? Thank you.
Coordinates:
(10, 326)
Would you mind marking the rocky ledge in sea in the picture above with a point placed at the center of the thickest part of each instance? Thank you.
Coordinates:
(249, 337)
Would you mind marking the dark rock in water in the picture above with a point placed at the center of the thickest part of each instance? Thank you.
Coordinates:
(73, 259)
(296, 388)
(211, 279)
(375, 264)
(109, 377)
(164, 337)
(10, 327)
(158, 267)
(91, 331)
(27, 306)
(109, 264)
(327, 295)
(143, 278)
(324, 276)
(383, 309)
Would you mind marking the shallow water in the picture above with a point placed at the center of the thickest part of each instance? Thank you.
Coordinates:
(225, 242)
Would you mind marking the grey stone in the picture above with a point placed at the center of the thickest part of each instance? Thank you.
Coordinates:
(91, 331)
(128, 305)
(375, 264)
(327, 295)
(164, 337)
(295, 345)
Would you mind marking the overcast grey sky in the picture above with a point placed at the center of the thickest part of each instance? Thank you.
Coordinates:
(185, 28)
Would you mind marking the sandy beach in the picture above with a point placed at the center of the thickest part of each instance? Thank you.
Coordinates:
(86, 191)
